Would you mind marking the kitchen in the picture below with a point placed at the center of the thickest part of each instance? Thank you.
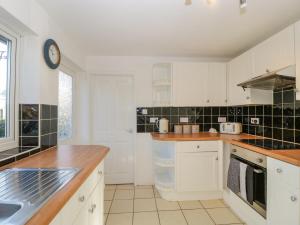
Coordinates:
(188, 115)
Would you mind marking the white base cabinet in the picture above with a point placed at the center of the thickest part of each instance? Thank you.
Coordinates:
(283, 200)
(86, 205)
(190, 170)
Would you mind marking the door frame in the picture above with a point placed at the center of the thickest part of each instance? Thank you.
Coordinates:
(118, 74)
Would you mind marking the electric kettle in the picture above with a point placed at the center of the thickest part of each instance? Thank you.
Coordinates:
(163, 125)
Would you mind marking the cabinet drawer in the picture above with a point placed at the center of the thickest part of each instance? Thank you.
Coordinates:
(197, 146)
(281, 172)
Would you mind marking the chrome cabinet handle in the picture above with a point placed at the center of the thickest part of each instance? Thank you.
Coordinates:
(207, 101)
(91, 210)
(278, 170)
(100, 172)
(259, 160)
(293, 198)
(94, 206)
(81, 198)
(198, 146)
(234, 150)
(247, 97)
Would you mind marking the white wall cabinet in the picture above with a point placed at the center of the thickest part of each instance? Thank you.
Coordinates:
(297, 54)
(275, 53)
(283, 206)
(189, 84)
(199, 84)
(86, 205)
(217, 84)
(241, 69)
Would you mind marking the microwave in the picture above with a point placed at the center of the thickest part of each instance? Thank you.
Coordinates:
(230, 128)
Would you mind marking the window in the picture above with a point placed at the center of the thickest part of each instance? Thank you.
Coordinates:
(65, 106)
(8, 137)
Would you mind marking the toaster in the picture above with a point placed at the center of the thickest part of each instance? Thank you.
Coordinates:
(230, 128)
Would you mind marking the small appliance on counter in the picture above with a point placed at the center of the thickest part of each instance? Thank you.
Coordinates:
(163, 125)
(230, 128)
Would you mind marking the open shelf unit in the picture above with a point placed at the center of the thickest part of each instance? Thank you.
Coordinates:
(164, 163)
(162, 84)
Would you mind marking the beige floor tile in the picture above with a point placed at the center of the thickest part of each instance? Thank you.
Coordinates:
(144, 193)
(171, 218)
(197, 217)
(143, 187)
(109, 194)
(110, 186)
(119, 219)
(125, 187)
(124, 194)
(223, 216)
(217, 203)
(156, 194)
(144, 205)
(121, 206)
(145, 218)
(105, 218)
(166, 205)
(190, 205)
(107, 205)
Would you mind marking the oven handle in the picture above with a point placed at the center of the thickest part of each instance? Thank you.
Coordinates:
(257, 171)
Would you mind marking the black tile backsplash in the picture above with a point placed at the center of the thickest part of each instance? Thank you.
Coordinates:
(36, 122)
(278, 121)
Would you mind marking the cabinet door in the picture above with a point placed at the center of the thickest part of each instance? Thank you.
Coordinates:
(275, 53)
(95, 203)
(297, 47)
(240, 69)
(197, 171)
(189, 84)
(283, 204)
(83, 216)
(217, 85)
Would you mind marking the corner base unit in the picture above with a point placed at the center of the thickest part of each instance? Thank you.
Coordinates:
(188, 170)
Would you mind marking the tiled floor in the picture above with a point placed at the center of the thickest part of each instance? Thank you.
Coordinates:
(142, 205)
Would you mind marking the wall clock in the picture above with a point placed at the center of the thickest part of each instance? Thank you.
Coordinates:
(52, 54)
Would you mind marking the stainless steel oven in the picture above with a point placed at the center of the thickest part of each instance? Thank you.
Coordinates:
(255, 193)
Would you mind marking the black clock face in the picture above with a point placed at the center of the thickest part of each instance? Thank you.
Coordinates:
(52, 54)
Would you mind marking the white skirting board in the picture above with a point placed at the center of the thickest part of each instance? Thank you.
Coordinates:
(242, 210)
(189, 196)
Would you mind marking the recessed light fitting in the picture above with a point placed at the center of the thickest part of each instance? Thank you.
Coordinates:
(188, 2)
(243, 4)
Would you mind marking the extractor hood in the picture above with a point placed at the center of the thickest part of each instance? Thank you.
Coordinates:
(272, 80)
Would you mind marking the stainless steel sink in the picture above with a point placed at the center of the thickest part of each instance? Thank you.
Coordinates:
(24, 191)
(8, 210)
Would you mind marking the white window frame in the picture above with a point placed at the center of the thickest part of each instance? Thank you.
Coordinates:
(64, 69)
(12, 140)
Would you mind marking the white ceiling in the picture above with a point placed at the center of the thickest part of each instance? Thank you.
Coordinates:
(168, 27)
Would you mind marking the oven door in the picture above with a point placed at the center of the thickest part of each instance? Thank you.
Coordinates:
(256, 186)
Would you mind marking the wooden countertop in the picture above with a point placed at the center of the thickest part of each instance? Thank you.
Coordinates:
(289, 156)
(84, 157)
(202, 136)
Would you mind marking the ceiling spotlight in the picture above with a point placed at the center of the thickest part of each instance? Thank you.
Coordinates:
(243, 4)
(188, 2)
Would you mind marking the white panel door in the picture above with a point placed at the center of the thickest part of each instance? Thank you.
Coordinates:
(189, 84)
(197, 171)
(112, 113)
(217, 85)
